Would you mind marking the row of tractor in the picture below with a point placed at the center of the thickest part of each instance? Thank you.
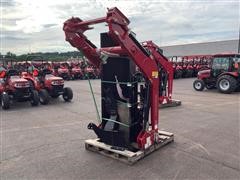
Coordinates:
(189, 66)
(219, 71)
(184, 66)
(68, 70)
(75, 70)
(33, 85)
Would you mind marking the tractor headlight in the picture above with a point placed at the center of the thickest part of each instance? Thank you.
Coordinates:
(55, 83)
(22, 85)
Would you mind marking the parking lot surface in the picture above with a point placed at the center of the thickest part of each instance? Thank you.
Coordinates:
(47, 142)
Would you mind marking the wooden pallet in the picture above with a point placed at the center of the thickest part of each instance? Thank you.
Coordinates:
(127, 156)
(173, 104)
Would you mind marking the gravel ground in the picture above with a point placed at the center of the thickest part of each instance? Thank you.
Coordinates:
(47, 142)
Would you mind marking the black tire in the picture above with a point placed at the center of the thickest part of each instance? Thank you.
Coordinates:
(198, 85)
(238, 88)
(31, 85)
(5, 101)
(189, 73)
(34, 98)
(179, 74)
(43, 97)
(92, 76)
(226, 84)
(68, 78)
(67, 94)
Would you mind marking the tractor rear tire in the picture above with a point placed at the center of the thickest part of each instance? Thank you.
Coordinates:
(35, 98)
(5, 101)
(198, 85)
(43, 97)
(67, 94)
(226, 84)
(238, 88)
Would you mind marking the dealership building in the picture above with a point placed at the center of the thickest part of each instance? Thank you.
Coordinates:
(206, 48)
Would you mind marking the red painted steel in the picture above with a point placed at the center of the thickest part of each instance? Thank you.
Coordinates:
(120, 33)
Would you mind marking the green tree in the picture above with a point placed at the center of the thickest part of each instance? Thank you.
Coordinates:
(11, 55)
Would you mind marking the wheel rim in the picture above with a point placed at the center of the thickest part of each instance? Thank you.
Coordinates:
(198, 85)
(224, 84)
(41, 99)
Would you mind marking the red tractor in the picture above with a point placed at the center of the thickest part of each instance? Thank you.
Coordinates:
(89, 72)
(14, 87)
(187, 65)
(47, 84)
(76, 71)
(198, 64)
(178, 73)
(177, 67)
(64, 71)
(224, 74)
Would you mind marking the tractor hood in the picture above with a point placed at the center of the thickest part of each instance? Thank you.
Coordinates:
(204, 73)
(53, 78)
(18, 82)
(207, 71)
(17, 79)
(76, 69)
(89, 69)
(61, 70)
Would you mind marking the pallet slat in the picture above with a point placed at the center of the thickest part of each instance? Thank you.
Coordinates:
(127, 156)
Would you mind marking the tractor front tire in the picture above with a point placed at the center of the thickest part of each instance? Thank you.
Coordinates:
(67, 94)
(5, 101)
(226, 84)
(198, 85)
(43, 97)
(35, 98)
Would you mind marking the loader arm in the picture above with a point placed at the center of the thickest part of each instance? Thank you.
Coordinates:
(119, 31)
(166, 65)
(74, 29)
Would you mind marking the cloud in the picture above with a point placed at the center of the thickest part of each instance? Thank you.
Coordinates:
(37, 25)
(7, 3)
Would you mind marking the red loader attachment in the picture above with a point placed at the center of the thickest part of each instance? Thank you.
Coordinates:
(124, 128)
(166, 75)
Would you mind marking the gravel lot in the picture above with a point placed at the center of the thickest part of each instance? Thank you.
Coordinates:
(47, 142)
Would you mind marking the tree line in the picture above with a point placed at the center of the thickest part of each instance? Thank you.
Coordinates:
(48, 56)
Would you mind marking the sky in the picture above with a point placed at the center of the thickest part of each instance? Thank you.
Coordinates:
(36, 25)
